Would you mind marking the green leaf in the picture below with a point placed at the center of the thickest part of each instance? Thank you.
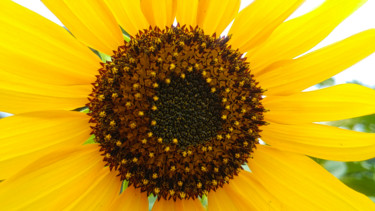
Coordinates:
(204, 201)
(86, 110)
(91, 140)
(124, 185)
(104, 57)
(126, 38)
(151, 201)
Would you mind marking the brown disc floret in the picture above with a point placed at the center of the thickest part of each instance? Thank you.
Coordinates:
(176, 112)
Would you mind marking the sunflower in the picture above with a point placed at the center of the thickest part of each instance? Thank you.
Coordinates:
(177, 112)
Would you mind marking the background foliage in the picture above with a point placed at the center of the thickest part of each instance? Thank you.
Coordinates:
(358, 175)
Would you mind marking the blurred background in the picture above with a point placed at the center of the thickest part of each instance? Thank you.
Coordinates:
(358, 175)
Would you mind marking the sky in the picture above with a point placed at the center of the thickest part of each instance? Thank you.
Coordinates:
(362, 19)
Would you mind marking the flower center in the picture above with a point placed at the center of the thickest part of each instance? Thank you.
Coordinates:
(187, 113)
(176, 112)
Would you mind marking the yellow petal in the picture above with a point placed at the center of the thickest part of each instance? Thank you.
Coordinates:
(256, 22)
(322, 141)
(220, 200)
(56, 181)
(296, 75)
(12, 82)
(215, 16)
(187, 11)
(159, 13)
(24, 95)
(90, 22)
(248, 194)
(329, 104)
(128, 14)
(130, 199)
(100, 194)
(19, 102)
(34, 48)
(298, 181)
(178, 205)
(27, 137)
(300, 34)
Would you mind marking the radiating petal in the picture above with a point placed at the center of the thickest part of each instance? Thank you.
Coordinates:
(215, 16)
(35, 48)
(329, 104)
(19, 102)
(159, 13)
(298, 181)
(100, 195)
(20, 94)
(178, 205)
(300, 34)
(256, 22)
(322, 141)
(248, 194)
(187, 11)
(57, 181)
(90, 22)
(130, 199)
(296, 75)
(220, 200)
(12, 82)
(128, 14)
(27, 137)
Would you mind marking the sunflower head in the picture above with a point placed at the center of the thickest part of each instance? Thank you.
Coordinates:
(176, 111)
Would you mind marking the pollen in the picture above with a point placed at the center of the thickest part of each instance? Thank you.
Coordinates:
(101, 97)
(133, 125)
(102, 114)
(156, 190)
(114, 95)
(199, 185)
(182, 195)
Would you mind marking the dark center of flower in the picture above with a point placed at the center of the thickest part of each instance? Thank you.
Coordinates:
(176, 112)
(187, 110)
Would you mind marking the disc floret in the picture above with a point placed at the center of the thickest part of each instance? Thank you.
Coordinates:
(176, 112)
